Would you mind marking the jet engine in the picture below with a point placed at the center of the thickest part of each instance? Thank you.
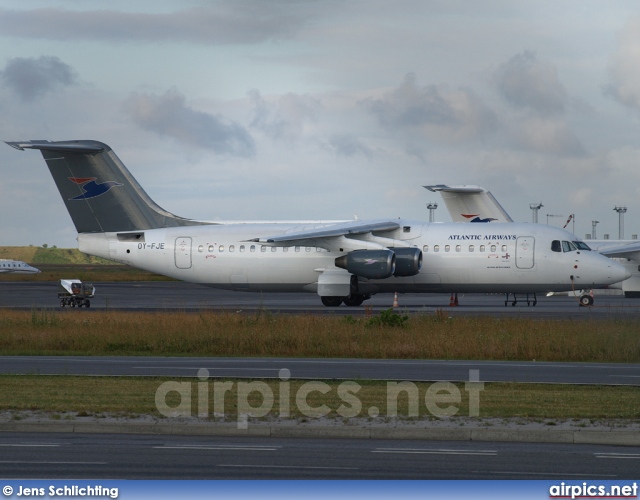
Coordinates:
(371, 264)
(408, 261)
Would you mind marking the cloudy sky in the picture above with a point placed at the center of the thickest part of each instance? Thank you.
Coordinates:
(284, 109)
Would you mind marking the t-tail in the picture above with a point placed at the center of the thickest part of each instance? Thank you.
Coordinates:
(99, 192)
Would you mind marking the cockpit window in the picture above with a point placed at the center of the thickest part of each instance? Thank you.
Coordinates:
(567, 246)
(555, 246)
(582, 245)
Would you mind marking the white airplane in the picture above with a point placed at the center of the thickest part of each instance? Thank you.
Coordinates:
(343, 262)
(16, 266)
(464, 200)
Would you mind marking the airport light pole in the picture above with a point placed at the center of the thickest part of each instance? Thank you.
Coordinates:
(621, 211)
(552, 215)
(593, 228)
(432, 208)
(534, 208)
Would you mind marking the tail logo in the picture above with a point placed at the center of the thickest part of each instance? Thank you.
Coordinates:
(477, 218)
(91, 187)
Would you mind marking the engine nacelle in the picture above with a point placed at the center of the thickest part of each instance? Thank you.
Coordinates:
(408, 261)
(371, 264)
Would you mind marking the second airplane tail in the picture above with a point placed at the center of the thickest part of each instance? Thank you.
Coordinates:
(99, 192)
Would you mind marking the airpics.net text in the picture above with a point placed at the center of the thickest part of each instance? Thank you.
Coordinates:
(257, 399)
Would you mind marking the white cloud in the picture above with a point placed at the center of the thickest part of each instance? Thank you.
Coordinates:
(435, 112)
(526, 82)
(624, 69)
(169, 115)
(31, 77)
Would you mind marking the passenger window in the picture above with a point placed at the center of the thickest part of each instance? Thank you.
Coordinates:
(447, 248)
(555, 246)
(201, 248)
(297, 249)
(263, 248)
(221, 248)
(307, 249)
(285, 249)
(425, 248)
(232, 248)
(436, 248)
(471, 248)
(482, 247)
(242, 248)
(210, 248)
(273, 249)
(504, 248)
(493, 248)
(252, 248)
(458, 248)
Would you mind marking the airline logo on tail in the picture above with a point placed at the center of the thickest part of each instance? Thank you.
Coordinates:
(477, 218)
(91, 187)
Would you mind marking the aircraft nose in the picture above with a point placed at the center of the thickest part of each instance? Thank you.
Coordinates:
(618, 272)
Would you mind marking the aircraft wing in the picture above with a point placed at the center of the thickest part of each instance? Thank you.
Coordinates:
(629, 251)
(343, 234)
(470, 203)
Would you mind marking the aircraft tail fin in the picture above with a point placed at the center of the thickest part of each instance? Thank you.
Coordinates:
(471, 204)
(99, 192)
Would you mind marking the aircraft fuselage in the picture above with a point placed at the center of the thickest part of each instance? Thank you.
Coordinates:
(456, 257)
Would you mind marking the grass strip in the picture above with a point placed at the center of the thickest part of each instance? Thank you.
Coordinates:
(420, 336)
(125, 396)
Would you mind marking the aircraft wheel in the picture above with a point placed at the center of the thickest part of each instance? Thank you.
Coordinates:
(62, 303)
(586, 300)
(331, 301)
(353, 300)
(87, 303)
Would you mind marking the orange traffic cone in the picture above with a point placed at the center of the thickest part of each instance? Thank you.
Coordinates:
(395, 299)
(452, 301)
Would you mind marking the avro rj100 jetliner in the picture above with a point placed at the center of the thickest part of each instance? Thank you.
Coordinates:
(343, 262)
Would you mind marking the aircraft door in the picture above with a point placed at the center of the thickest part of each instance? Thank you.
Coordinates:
(183, 253)
(525, 246)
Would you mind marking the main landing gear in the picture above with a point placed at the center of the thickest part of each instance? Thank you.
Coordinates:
(586, 300)
(353, 300)
(533, 301)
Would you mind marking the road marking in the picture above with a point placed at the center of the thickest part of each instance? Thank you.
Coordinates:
(214, 447)
(30, 445)
(632, 456)
(561, 474)
(435, 452)
(63, 463)
(288, 467)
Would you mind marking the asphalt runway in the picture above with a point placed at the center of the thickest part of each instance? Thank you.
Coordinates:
(180, 296)
(104, 456)
(328, 369)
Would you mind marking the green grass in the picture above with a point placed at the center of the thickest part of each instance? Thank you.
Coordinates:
(98, 396)
(59, 263)
(73, 332)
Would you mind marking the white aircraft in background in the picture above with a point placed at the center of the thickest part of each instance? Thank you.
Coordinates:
(461, 201)
(343, 262)
(16, 266)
